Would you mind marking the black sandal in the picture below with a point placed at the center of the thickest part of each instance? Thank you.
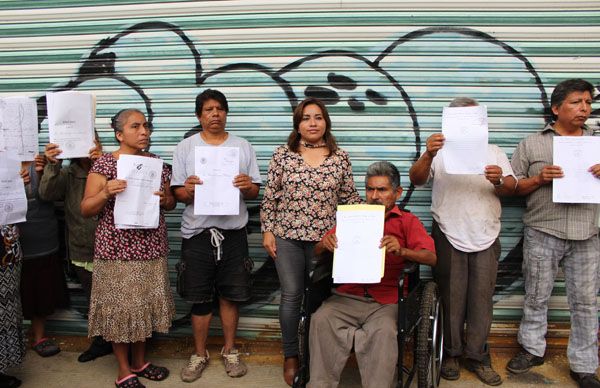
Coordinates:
(129, 381)
(152, 372)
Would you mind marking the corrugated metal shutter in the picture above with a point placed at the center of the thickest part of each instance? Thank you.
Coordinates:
(386, 68)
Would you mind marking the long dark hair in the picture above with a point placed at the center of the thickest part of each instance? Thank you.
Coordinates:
(293, 141)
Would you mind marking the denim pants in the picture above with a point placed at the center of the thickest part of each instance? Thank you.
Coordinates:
(542, 254)
(294, 261)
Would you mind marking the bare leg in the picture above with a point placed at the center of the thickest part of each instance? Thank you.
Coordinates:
(121, 351)
(229, 320)
(38, 328)
(200, 325)
(138, 350)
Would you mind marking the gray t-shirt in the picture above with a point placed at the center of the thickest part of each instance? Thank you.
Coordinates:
(183, 167)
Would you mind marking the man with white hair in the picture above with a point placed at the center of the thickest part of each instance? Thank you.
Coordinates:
(466, 223)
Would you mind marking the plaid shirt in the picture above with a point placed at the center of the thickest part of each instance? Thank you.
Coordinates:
(563, 220)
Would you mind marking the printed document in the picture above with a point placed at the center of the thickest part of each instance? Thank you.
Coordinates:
(19, 127)
(13, 200)
(217, 167)
(575, 155)
(138, 207)
(466, 133)
(358, 258)
(71, 117)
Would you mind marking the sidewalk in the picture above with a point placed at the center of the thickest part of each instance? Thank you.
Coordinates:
(264, 370)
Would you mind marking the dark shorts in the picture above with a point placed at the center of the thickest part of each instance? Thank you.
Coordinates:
(201, 276)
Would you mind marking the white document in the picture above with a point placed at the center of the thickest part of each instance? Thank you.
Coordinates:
(138, 207)
(575, 155)
(71, 117)
(216, 167)
(19, 127)
(358, 258)
(13, 200)
(466, 133)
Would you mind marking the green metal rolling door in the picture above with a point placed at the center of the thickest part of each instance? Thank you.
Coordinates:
(385, 68)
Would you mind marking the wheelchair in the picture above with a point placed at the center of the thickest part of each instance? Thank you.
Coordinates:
(420, 325)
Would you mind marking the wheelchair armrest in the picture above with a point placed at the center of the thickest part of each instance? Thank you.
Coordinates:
(409, 267)
(323, 267)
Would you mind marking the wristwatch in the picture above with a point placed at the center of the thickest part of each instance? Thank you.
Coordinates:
(500, 183)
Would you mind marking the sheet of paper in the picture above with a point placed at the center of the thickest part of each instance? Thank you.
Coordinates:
(466, 133)
(13, 201)
(19, 127)
(575, 155)
(216, 167)
(71, 117)
(358, 258)
(138, 207)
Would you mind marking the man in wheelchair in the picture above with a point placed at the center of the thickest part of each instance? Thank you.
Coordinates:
(365, 315)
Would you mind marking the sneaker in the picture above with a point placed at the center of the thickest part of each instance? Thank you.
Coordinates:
(450, 368)
(585, 380)
(523, 361)
(234, 366)
(484, 372)
(193, 370)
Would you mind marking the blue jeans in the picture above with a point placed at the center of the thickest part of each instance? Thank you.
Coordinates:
(542, 254)
(294, 262)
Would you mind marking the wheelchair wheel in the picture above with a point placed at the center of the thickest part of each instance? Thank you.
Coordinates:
(430, 338)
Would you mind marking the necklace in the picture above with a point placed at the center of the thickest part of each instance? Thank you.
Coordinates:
(309, 145)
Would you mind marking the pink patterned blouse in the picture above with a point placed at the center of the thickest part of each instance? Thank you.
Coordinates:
(127, 244)
(300, 201)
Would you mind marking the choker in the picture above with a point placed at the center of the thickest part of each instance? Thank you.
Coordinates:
(308, 145)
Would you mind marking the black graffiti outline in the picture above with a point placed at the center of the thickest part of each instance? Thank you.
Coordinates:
(478, 35)
(99, 65)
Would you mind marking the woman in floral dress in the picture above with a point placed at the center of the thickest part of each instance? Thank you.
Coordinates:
(131, 296)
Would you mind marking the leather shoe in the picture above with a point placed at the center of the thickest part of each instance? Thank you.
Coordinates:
(585, 380)
(98, 348)
(290, 368)
(450, 368)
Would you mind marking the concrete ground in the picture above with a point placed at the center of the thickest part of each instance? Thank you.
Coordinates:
(264, 365)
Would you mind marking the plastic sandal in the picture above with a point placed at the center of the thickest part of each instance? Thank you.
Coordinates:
(46, 347)
(152, 372)
(129, 381)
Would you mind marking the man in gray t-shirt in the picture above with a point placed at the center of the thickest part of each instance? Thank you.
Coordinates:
(214, 251)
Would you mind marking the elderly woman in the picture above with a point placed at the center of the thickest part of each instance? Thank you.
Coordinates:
(306, 181)
(131, 296)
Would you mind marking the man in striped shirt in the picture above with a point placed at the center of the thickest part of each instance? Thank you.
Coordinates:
(558, 233)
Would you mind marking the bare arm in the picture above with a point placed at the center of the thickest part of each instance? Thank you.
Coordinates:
(98, 190)
(422, 256)
(327, 243)
(244, 183)
(167, 200)
(419, 172)
(494, 174)
(185, 193)
(526, 186)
